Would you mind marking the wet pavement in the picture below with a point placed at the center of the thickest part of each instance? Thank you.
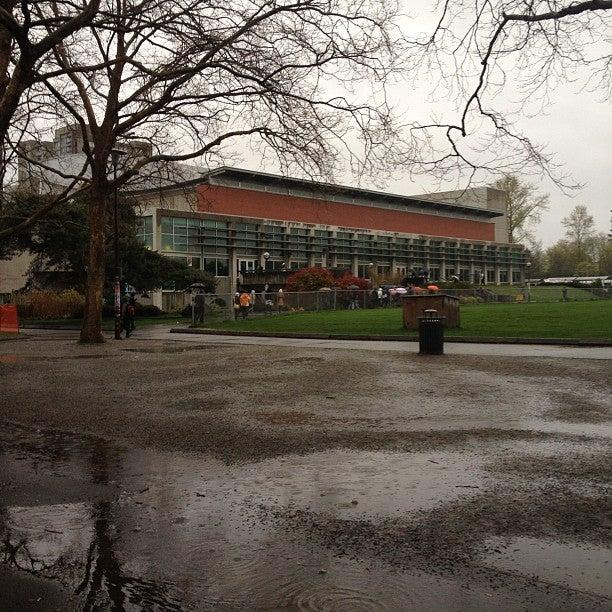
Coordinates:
(157, 476)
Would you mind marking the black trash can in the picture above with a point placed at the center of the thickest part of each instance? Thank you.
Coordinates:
(431, 333)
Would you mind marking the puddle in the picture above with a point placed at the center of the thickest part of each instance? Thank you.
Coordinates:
(575, 566)
(125, 528)
(168, 349)
(11, 359)
(19, 359)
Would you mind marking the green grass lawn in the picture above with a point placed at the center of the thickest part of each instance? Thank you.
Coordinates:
(108, 324)
(542, 293)
(534, 320)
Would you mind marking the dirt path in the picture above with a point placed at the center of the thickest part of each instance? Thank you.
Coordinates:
(240, 477)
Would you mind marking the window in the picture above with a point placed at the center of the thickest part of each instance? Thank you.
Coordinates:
(363, 270)
(464, 275)
(144, 230)
(435, 250)
(490, 276)
(503, 276)
(272, 265)
(382, 246)
(274, 237)
(321, 242)
(343, 245)
(363, 244)
(465, 253)
(402, 247)
(246, 238)
(214, 237)
(434, 274)
(180, 235)
(516, 276)
(67, 143)
(298, 242)
(216, 267)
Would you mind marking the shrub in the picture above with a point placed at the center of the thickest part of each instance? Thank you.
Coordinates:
(344, 282)
(468, 299)
(148, 310)
(50, 304)
(310, 279)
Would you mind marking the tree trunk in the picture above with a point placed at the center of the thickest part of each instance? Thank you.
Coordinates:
(91, 331)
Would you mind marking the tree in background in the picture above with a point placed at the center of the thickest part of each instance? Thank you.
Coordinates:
(59, 245)
(537, 259)
(582, 252)
(580, 228)
(524, 206)
(301, 82)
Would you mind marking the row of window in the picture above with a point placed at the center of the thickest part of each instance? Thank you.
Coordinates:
(214, 238)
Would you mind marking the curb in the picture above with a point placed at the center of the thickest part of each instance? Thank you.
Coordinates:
(465, 339)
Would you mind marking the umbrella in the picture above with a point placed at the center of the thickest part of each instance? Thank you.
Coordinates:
(417, 289)
(401, 290)
(433, 287)
(197, 286)
(353, 287)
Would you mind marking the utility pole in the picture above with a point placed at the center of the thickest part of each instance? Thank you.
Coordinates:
(115, 156)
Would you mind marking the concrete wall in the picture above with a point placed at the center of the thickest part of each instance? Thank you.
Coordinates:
(479, 197)
(13, 272)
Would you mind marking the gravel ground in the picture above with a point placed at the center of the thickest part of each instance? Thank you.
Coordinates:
(433, 467)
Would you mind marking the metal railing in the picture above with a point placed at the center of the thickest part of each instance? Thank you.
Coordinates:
(343, 299)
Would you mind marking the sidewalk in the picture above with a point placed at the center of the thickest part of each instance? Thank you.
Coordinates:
(162, 332)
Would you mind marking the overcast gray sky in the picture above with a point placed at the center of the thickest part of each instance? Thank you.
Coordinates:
(579, 130)
(574, 124)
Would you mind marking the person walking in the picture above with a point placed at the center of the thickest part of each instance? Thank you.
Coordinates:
(564, 293)
(379, 296)
(253, 298)
(280, 300)
(128, 314)
(199, 307)
(267, 296)
(236, 305)
(245, 304)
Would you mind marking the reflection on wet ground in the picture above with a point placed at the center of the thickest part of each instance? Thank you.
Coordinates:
(585, 568)
(165, 349)
(125, 528)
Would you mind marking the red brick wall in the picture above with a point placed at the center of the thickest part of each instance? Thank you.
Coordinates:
(263, 205)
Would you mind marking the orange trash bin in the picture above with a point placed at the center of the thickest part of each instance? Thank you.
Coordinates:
(9, 319)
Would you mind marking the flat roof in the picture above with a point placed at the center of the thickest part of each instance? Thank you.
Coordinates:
(264, 178)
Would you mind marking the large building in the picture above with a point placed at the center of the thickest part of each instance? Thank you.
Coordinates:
(225, 220)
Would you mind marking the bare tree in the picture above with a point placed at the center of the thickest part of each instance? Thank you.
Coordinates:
(523, 206)
(173, 80)
(501, 61)
(29, 31)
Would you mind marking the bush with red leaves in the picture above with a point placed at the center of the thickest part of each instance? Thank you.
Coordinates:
(348, 280)
(310, 279)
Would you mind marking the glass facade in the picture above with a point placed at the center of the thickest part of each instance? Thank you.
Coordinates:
(211, 243)
(144, 230)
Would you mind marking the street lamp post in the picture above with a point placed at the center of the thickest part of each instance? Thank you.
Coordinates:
(115, 157)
